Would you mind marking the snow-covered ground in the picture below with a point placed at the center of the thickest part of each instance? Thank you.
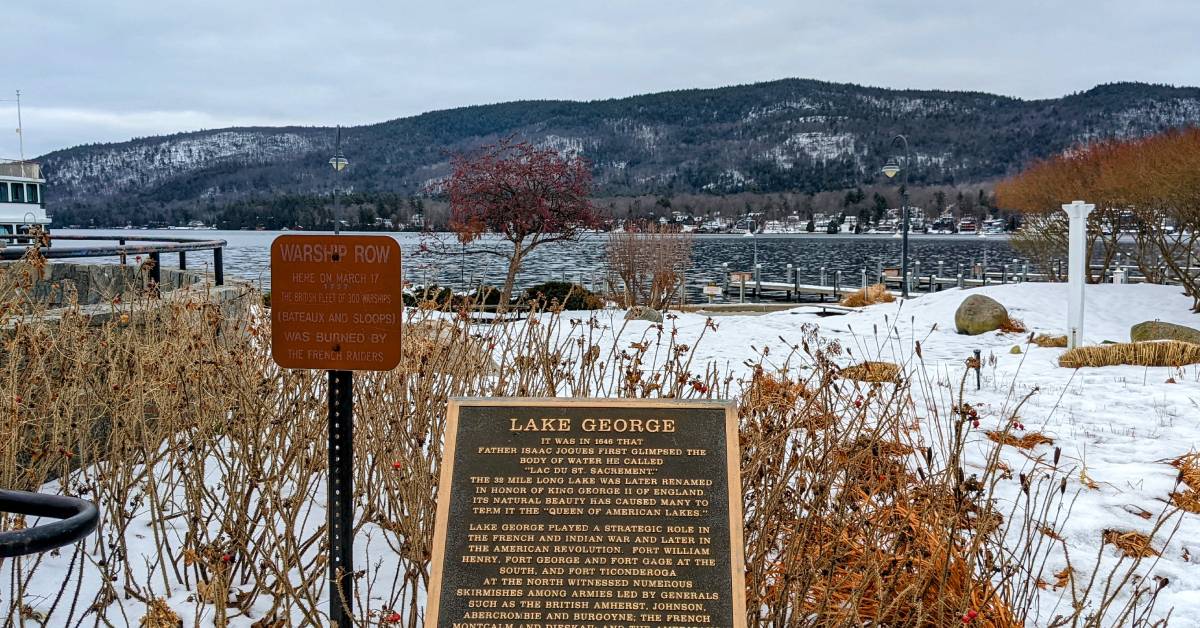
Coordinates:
(1119, 426)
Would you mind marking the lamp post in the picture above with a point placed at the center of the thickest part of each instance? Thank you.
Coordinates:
(1077, 213)
(891, 169)
(339, 163)
(754, 237)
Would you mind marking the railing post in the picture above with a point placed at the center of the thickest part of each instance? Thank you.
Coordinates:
(1004, 273)
(796, 279)
(1025, 272)
(155, 268)
(758, 282)
(787, 278)
(122, 253)
(837, 284)
(183, 260)
(823, 282)
(864, 277)
(724, 278)
(219, 266)
(916, 273)
(742, 291)
(961, 283)
(940, 273)
(879, 272)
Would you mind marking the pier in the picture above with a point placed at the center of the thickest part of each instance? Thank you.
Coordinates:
(750, 286)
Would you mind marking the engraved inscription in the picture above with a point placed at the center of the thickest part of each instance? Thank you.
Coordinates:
(587, 517)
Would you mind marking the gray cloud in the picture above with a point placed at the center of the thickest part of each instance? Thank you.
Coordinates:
(105, 71)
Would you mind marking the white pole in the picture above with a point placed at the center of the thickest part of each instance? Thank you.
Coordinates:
(1076, 270)
(20, 132)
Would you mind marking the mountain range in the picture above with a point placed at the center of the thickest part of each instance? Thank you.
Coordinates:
(791, 135)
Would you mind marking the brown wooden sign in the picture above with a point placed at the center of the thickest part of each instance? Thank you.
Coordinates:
(336, 302)
(588, 513)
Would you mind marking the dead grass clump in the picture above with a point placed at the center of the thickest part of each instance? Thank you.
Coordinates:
(1048, 341)
(1012, 326)
(1187, 500)
(160, 615)
(1189, 475)
(870, 295)
(1133, 544)
(1161, 353)
(1189, 469)
(873, 372)
(1028, 441)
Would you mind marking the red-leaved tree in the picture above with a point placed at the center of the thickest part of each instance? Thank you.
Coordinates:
(529, 196)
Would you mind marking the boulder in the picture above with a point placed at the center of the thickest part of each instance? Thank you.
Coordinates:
(642, 313)
(1158, 330)
(979, 314)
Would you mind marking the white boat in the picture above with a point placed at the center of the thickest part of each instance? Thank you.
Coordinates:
(22, 205)
(22, 200)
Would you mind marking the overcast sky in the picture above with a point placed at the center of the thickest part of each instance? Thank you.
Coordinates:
(93, 71)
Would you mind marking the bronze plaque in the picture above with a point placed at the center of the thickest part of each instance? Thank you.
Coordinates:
(588, 513)
(336, 302)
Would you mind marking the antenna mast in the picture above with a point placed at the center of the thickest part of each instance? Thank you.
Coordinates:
(20, 134)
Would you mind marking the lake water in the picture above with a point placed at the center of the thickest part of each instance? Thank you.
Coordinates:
(439, 258)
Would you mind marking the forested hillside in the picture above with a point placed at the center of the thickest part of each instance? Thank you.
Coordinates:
(794, 136)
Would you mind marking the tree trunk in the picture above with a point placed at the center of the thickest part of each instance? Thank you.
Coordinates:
(514, 264)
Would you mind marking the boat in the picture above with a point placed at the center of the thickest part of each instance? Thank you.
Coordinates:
(994, 226)
(967, 225)
(22, 199)
(22, 206)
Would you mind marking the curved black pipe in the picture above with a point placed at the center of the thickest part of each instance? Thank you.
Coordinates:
(78, 519)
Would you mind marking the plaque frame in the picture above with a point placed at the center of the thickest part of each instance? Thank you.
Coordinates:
(737, 550)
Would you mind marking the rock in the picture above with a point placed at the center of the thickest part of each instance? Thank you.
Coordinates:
(642, 313)
(1016, 350)
(979, 314)
(1158, 330)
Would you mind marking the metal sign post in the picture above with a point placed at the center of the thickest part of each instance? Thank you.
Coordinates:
(340, 504)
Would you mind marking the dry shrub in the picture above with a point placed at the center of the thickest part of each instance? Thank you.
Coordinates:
(1012, 326)
(870, 295)
(1048, 341)
(1028, 441)
(857, 523)
(873, 372)
(1130, 543)
(208, 464)
(647, 264)
(1158, 353)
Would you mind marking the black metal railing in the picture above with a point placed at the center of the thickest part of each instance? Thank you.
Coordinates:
(76, 519)
(153, 248)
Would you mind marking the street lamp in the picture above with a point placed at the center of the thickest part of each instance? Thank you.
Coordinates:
(339, 163)
(891, 169)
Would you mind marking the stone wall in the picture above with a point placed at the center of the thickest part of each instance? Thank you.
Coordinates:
(95, 288)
